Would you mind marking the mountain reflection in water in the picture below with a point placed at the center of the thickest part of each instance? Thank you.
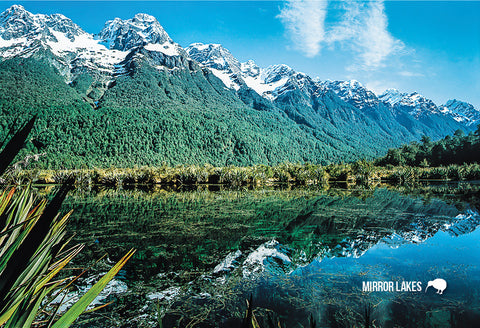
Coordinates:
(298, 252)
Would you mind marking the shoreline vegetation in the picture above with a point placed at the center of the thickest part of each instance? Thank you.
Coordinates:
(453, 158)
(360, 172)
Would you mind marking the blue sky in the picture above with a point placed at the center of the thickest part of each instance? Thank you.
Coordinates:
(426, 46)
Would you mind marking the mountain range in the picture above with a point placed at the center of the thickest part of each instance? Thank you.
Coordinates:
(130, 95)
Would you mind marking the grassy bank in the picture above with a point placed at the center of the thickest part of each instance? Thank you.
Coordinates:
(361, 172)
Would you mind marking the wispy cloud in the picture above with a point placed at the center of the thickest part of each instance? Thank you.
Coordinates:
(305, 21)
(372, 41)
(363, 28)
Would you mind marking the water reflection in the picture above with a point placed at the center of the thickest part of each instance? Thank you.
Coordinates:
(298, 252)
(453, 258)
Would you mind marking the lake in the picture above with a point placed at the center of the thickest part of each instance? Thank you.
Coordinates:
(299, 253)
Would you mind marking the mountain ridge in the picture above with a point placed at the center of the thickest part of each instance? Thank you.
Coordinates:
(134, 65)
(415, 112)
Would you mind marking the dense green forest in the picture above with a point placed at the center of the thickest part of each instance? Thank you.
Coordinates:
(460, 148)
(150, 117)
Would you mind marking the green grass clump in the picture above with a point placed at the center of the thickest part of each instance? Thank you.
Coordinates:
(33, 251)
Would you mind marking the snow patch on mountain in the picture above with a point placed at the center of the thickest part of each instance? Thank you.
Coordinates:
(167, 48)
(11, 42)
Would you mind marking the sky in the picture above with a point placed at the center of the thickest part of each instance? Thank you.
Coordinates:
(426, 46)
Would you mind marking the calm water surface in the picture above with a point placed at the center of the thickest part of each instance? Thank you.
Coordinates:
(300, 253)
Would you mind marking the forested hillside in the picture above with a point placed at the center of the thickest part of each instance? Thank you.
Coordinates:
(148, 118)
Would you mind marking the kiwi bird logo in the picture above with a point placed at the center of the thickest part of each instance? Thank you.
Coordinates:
(439, 284)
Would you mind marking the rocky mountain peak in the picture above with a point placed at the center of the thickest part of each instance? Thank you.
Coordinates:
(235, 74)
(214, 56)
(462, 112)
(16, 22)
(419, 104)
(250, 68)
(142, 29)
(144, 18)
(391, 96)
(275, 73)
(14, 10)
(415, 103)
(353, 92)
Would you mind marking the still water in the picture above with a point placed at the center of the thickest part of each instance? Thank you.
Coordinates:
(301, 254)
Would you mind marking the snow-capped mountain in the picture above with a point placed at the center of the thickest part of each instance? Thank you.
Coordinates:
(140, 30)
(318, 104)
(133, 63)
(352, 92)
(110, 52)
(220, 62)
(214, 56)
(16, 23)
(416, 104)
(423, 110)
(462, 112)
(235, 74)
(391, 97)
(74, 50)
(24, 34)
(276, 80)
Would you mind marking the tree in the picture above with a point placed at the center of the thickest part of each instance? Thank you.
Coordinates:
(459, 133)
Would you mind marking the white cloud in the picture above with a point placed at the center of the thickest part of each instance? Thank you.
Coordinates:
(363, 28)
(374, 40)
(304, 21)
(410, 74)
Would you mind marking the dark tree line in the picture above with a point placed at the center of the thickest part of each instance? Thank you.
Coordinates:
(457, 149)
